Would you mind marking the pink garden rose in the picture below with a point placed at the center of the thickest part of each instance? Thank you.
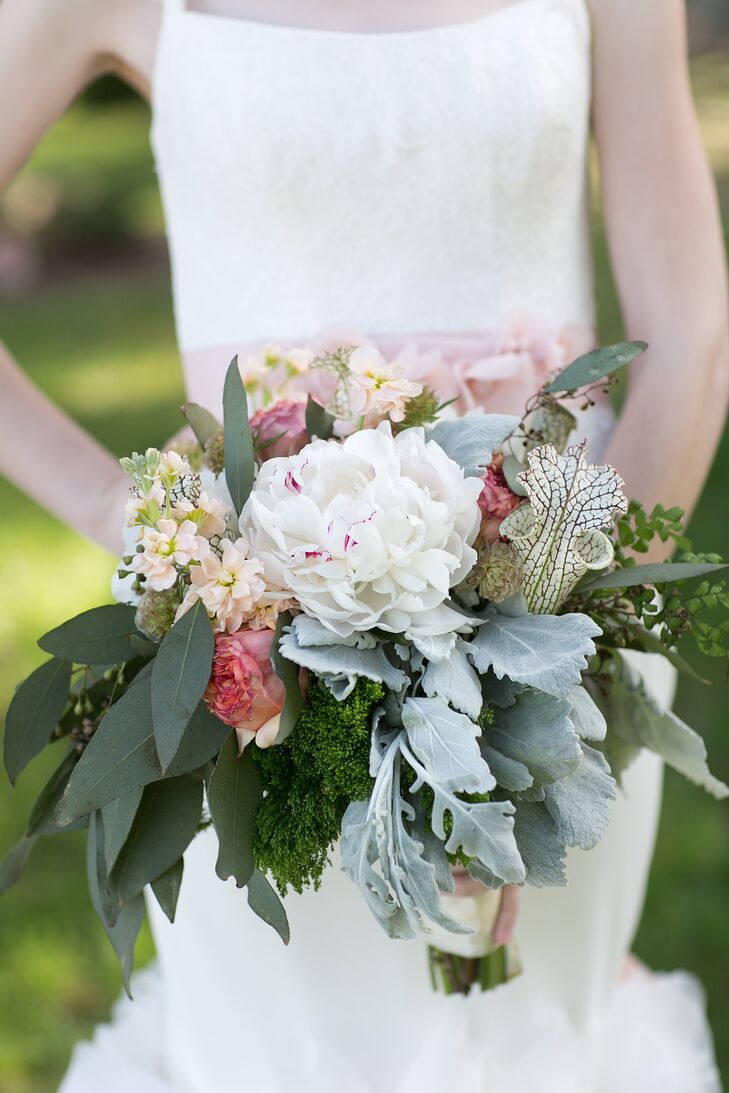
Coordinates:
(244, 691)
(496, 501)
(284, 417)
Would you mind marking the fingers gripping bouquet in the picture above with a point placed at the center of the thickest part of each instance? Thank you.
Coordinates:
(355, 618)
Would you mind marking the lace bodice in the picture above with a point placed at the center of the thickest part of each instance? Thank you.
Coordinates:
(394, 182)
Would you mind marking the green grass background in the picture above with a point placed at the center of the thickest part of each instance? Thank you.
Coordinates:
(102, 344)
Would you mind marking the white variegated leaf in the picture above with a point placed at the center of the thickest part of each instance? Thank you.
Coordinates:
(569, 501)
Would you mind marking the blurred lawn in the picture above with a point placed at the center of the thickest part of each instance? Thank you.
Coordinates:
(103, 347)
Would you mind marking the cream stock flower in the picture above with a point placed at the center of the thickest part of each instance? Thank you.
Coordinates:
(377, 387)
(370, 532)
(208, 514)
(164, 548)
(229, 586)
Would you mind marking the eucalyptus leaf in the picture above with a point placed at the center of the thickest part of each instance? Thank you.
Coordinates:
(118, 817)
(34, 713)
(580, 803)
(234, 795)
(539, 845)
(548, 652)
(125, 930)
(656, 573)
(239, 455)
(594, 366)
(471, 440)
(99, 636)
(121, 755)
(41, 820)
(288, 673)
(180, 675)
(204, 425)
(167, 888)
(319, 423)
(164, 826)
(263, 900)
(14, 862)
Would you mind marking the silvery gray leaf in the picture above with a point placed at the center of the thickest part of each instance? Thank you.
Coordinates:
(472, 440)
(446, 743)
(535, 794)
(537, 732)
(509, 773)
(586, 716)
(580, 803)
(342, 661)
(483, 829)
(435, 647)
(548, 652)
(540, 846)
(637, 719)
(381, 737)
(479, 872)
(387, 861)
(500, 692)
(310, 631)
(512, 468)
(340, 687)
(455, 681)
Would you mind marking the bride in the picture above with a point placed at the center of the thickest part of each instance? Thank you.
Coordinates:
(403, 169)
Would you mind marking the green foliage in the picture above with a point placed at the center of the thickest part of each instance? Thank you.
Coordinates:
(421, 410)
(240, 460)
(309, 780)
(180, 675)
(624, 614)
(234, 797)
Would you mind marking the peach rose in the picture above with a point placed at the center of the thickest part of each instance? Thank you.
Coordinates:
(287, 418)
(244, 691)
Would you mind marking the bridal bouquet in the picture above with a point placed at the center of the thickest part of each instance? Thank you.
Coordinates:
(351, 616)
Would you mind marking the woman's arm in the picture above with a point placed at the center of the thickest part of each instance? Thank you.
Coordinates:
(49, 51)
(666, 246)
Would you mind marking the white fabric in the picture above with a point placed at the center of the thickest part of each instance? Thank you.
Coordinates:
(432, 180)
(425, 180)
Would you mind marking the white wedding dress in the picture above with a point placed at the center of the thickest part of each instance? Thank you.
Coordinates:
(433, 181)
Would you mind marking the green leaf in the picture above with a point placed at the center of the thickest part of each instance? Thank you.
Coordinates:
(288, 673)
(122, 755)
(651, 643)
(14, 862)
(125, 930)
(118, 818)
(180, 675)
(234, 794)
(99, 636)
(42, 815)
(239, 456)
(163, 828)
(167, 888)
(34, 713)
(318, 421)
(656, 573)
(204, 425)
(264, 901)
(594, 366)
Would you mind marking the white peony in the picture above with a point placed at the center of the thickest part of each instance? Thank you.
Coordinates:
(370, 532)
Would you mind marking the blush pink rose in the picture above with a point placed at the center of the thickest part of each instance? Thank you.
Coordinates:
(496, 501)
(287, 418)
(244, 691)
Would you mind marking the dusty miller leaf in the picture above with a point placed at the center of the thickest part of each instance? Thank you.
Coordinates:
(580, 803)
(471, 440)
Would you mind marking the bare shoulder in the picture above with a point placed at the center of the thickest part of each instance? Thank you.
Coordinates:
(103, 35)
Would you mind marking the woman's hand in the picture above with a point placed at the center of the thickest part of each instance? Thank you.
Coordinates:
(508, 913)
